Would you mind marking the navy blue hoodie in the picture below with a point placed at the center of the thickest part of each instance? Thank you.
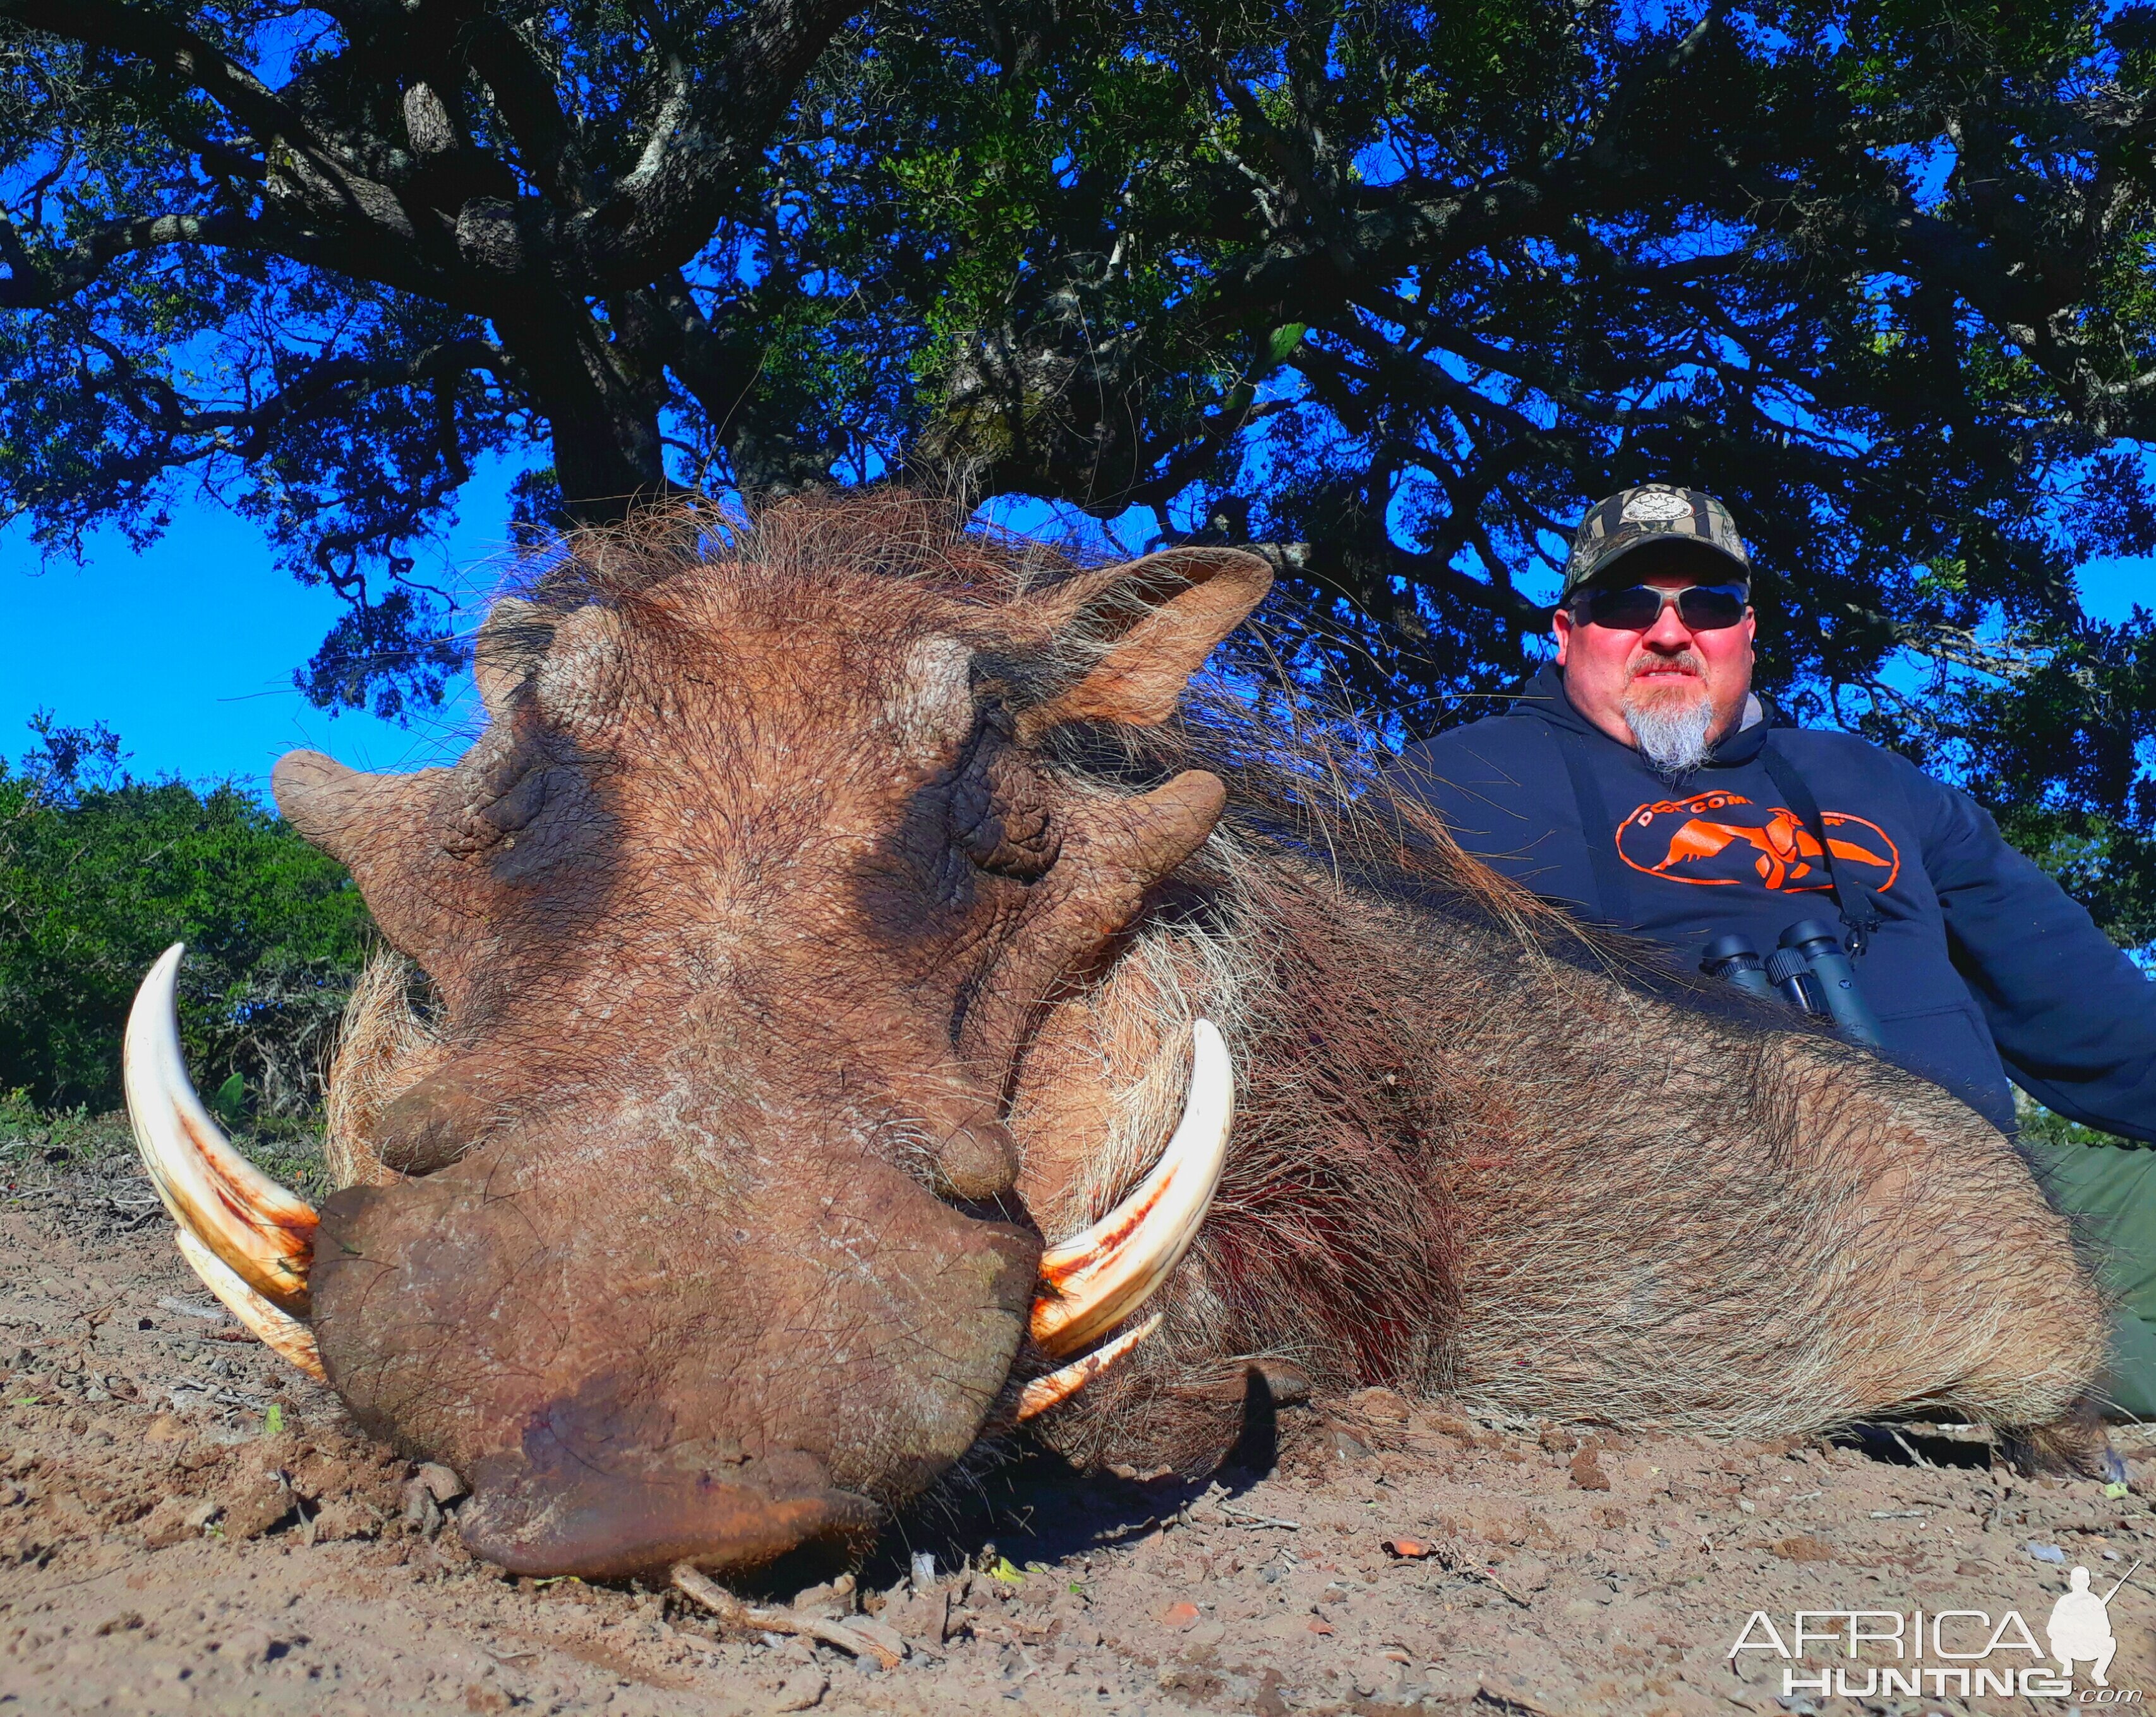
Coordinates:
(1981, 956)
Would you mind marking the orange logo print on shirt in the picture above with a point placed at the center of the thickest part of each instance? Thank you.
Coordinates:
(1723, 840)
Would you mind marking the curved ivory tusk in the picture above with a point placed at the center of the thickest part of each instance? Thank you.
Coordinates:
(263, 1234)
(1098, 1278)
(1058, 1385)
(287, 1338)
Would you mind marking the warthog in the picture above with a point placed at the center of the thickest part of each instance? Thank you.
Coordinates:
(821, 937)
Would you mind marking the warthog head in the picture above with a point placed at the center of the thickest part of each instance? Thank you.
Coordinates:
(694, 1233)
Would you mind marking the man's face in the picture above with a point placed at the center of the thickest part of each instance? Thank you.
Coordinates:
(1670, 669)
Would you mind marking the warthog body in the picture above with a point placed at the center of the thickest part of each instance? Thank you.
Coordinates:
(819, 925)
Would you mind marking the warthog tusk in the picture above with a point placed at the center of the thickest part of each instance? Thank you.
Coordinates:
(286, 1337)
(264, 1235)
(1058, 1385)
(1098, 1278)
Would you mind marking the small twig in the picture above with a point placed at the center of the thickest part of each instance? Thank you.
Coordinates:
(1128, 1529)
(750, 1618)
(1898, 1514)
(1907, 1447)
(1454, 1561)
(1491, 1580)
(1244, 1518)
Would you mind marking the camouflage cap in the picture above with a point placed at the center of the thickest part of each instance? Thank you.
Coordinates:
(1615, 527)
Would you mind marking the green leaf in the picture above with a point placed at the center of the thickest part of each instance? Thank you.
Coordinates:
(231, 1099)
(1004, 1571)
(1284, 339)
(273, 1422)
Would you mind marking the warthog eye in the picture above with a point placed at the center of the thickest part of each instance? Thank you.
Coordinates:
(999, 812)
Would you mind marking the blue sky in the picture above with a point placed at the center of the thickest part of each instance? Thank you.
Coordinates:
(188, 649)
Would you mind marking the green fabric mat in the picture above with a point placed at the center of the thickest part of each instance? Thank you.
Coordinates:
(2110, 1193)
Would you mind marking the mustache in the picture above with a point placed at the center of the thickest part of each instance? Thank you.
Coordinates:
(1687, 660)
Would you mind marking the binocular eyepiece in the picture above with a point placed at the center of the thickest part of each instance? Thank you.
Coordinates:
(1810, 971)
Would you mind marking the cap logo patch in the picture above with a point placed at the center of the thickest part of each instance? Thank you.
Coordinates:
(1656, 506)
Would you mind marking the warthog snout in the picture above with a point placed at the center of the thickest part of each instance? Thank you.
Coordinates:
(699, 1353)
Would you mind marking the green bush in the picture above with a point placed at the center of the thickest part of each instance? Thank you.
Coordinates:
(99, 873)
(2041, 1126)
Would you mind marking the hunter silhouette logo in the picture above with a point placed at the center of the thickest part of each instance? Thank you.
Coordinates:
(2080, 1628)
(1723, 840)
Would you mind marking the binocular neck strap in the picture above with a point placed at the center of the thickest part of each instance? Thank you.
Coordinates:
(1605, 870)
(1852, 894)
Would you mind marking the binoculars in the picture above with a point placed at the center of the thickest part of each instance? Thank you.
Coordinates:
(1810, 971)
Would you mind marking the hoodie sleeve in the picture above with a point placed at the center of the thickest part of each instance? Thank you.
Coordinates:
(2073, 1017)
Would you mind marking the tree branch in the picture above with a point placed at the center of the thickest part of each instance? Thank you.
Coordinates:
(144, 35)
(307, 174)
(36, 283)
(1313, 564)
(523, 90)
(327, 385)
(323, 387)
(705, 143)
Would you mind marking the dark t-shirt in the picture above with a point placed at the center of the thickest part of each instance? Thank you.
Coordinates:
(1981, 964)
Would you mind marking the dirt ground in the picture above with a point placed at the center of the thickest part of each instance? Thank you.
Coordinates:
(186, 1525)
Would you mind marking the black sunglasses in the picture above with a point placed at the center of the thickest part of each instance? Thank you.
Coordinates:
(1703, 607)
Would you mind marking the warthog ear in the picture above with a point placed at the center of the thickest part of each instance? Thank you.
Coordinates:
(1140, 630)
(381, 828)
(353, 816)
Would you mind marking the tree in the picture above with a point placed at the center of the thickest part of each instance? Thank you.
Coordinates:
(99, 873)
(1390, 291)
(435, 229)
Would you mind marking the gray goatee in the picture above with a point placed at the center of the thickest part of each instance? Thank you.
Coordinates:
(1670, 731)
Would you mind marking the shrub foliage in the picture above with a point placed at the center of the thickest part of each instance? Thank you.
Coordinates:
(100, 872)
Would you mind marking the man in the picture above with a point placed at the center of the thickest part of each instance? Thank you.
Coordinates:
(1640, 783)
